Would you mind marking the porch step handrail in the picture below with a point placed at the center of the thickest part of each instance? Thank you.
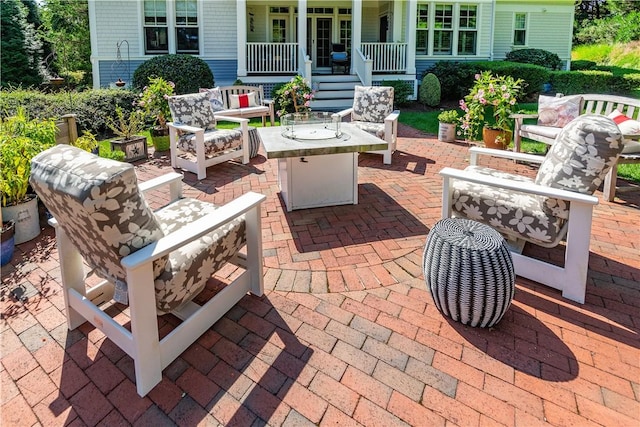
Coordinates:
(387, 57)
(266, 58)
(363, 67)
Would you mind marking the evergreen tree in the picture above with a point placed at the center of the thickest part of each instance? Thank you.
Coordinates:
(66, 27)
(21, 48)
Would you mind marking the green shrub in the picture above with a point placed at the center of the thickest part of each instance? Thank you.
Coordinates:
(91, 107)
(539, 57)
(456, 78)
(189, 73)
(430, 91)
(402, 90)
(590, 81)
(583, 65)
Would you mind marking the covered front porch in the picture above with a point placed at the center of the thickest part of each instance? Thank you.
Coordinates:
(379, 37)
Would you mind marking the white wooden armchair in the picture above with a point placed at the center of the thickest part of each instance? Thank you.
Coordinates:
(373, 112)
(195, 141)
(557, 205)
(156, 262)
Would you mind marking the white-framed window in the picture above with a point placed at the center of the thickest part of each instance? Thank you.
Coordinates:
(345, 33)
(422, 29)
(467, 29)
(187, 34)
(278, 30)
(156, 40)
(443, 30)
(447, 28)
(520, 29)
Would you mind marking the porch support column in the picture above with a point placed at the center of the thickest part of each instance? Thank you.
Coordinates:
(356, 30)
(302, 38)
(241, 35)
(397, 22)
(412, 14)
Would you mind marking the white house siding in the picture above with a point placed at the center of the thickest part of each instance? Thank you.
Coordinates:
(260, 23)
(549, 27)
(116, 21)
(370, 21)
(219, 29)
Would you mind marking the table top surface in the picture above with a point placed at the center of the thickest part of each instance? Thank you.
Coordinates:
(353, 140)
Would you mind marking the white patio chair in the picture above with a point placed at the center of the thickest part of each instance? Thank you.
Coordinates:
(373, 112)
(156, 262)
(557, 205)
(195, 141)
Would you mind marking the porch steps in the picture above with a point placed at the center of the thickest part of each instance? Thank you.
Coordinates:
(333, 92)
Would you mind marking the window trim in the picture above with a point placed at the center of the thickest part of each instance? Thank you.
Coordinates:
(525, 29)
(172, 29)
(455, 30)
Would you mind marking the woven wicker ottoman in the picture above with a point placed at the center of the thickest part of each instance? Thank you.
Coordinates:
(254, 141)
(469, 271)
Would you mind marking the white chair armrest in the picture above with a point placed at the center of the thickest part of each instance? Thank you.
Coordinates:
(393, 116)
(344, 113)
(523, 116)
(195, 230)
(520, 186)
(231, 119)
(268, 101)
(504, 154)
(185, 128)
(171, 179)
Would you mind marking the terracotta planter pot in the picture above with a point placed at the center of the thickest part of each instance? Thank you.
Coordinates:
(496, 138)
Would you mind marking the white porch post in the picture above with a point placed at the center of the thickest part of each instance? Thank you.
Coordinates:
(302, 38)
(412, 12)
(356, 30)
(397, 21)
(241, 35)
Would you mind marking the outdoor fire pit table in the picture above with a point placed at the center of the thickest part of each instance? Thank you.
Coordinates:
(469, 271)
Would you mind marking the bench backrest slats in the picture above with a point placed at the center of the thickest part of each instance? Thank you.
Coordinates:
(605, 104)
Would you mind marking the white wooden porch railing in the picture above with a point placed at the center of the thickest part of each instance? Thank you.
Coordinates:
(269, 58)
(387, 57)
(362, 66)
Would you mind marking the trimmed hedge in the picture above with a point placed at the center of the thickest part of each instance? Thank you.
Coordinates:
(430, 92)
(189, 73)
(456, 78)
(91, 107)
(593, 81)
(540, 57)
(583, 64)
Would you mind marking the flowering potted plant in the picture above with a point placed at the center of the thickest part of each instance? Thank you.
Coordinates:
(495, 95)
(294, 96)
(447, 121)
(153, 101)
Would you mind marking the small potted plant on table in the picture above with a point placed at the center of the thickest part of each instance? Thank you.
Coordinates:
(447, 121)
(127, 127)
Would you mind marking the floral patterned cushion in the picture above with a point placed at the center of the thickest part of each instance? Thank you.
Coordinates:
(215, 97)
(581, 155)
(193, 109)
(189, 268)
(535, 218)
(372, 103)
(558, 112)
(376, 129)
(215, 141)
(97, 202)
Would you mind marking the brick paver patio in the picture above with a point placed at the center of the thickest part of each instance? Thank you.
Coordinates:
(347, 333)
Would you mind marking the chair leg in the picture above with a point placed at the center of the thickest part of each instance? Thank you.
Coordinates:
(609, 186)
(201, 167)
(72, 271)
(576, 259)
(144, 329)
(254, 250)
